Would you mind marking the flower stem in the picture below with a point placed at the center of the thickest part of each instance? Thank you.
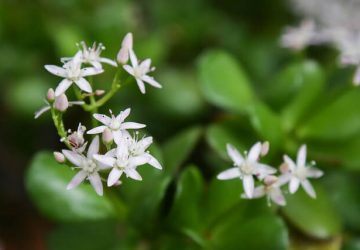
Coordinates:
(59, 125)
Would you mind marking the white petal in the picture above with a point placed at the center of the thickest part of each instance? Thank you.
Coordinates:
(259, 192)
(263, 170)
(145, 65)
(123, 115)
(127, 42)
(77, 179)
(106, 160)
(84, 85)
(151, 81)
(91, 71)
(145, 142)
(313, 172)
(283, 179)
(73, 157)
(133, 174)
(129, 69)
(139, 160)
(96, 64)
(294, 185)
(308, 188)
(277, 197)
(133, 59)
(41, 111)
(118, 137)
(95, 181)
(248, 182)
(97, 130)
(154, 162)
(114, 176)
(141, 86)
(122, 151)
(230, 173)
(290, 163)
(234, 154)
(132, 125)
(108, 61)
(254, 152)
(301, 156)
(56, 70)
(94, 147)
(111, 153)
(62, 87)
(103, 119)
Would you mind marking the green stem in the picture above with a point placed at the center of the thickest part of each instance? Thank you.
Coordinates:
(59, 125)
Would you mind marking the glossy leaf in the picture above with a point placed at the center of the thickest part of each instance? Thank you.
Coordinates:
(46, 182)
(224, 83)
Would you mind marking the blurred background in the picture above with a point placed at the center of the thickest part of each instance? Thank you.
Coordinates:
(174, 35)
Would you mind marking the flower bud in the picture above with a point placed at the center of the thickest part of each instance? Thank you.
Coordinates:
(61, 103)
(284, 168)
(59, 157)
(50, 96)
(107, 136)
(126, 45)
(99, 92)
(265, 148)
(270, 179)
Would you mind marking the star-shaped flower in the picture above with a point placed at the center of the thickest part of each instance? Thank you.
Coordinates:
(122, 162)
(246, 167)
(115, 124)
(140, 72)
(73, 73)
(88, 165)
(300, 172)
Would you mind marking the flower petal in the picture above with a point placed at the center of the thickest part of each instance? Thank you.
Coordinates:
(133, 174)
(301, 156)
(118, 137)
(145, 142)
(263, 170)
(94, 147)
(141, 85)
(41, 111)
(259, 192)
(77, 179)
(108, 61)
(290, 163)
(254, 152)
(139, 160)
(132, 125)
(123, 115)
(129, 69)
(104, 159)
(230, 173)
(56, 70)
(294, 185)
(114, 176)
(308, 188)
(63, 86)
(235, 155)
(96, 130)
(133, 59)
(73, 157)
(91, 71)
(84, 85)
(313, 172)
(248, 182)
(145, 65)
(95, 181)
(103, 119)
(154, 162)
(277, 197)
(150, 80)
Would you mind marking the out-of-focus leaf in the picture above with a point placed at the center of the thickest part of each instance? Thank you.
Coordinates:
(100, 235)
(176, 242)
(312, 82)
(302, 243)
(224, 83)
(178, 148)
(352, 244)
(46, 182)
(66, 37)
(314, 217)
(339, 120)
(185, 214)
(267, 124)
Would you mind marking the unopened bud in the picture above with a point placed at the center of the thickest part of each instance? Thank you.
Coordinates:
(99, 92)
(270, 179)
(265, 148)
(59, 157)
(126, 46)
(61, 103)
(284, 168)
(107, 136)
(50, 96)
(127, 42)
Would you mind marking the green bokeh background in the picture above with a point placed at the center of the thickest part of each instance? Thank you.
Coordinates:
(225, 80)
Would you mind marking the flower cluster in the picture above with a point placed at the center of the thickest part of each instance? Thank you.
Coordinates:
(248, 167)
(335, 22)
(125, 151)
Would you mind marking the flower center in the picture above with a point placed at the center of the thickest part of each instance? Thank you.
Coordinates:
(89, 166)
(301, 172)
(115, 125)
(246, 168)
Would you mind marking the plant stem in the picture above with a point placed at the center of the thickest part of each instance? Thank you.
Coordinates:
(59, 125)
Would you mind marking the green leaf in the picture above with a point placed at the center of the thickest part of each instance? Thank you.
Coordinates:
(185, 211)
(339, 120)
(314, 217)
(177, 149)
(223, 82)
(46, 182)
(311, 80)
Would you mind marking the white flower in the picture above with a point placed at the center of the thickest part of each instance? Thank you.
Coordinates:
(138, 148)
(246, 167)
(88, 165)
(299, 173)
(140, 72)
(115, 124)
(76, 139)
(91, 55)
(73, 73)
(122, 162)
(272, 190)
(48, 107)
(300, 37)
